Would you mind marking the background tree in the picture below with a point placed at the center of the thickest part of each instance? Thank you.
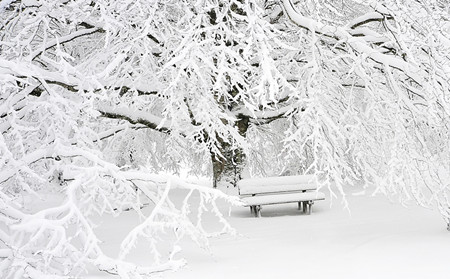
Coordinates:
(99, 96)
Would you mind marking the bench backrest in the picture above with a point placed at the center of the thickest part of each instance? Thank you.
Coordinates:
(255, 186)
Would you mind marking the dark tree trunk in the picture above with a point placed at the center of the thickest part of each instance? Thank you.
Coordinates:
(218, 165)
(228, 167)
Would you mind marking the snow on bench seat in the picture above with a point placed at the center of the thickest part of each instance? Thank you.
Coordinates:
(277, 184)
(276, 180)
(282, 198)
(270, 189)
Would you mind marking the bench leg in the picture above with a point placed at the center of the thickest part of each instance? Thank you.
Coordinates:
(257, 210)
(310, 204)
(304, 206)
(251, 209)
(299, 205)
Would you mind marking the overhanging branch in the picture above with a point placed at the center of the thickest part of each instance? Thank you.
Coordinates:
(136, 117)
(65, 39)
(356, 43)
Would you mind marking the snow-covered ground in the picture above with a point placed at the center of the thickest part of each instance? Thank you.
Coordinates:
(376, 239)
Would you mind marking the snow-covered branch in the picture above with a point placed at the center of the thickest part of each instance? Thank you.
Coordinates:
(358, 44)
(367, 18)
(136, 117)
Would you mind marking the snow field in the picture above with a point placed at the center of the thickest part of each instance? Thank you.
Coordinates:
(377, 239)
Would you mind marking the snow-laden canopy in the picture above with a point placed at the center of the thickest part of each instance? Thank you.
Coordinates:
(98, 97)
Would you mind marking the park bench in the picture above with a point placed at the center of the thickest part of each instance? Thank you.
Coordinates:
(301, 189)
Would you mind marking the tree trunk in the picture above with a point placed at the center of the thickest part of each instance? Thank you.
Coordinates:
(228, 167)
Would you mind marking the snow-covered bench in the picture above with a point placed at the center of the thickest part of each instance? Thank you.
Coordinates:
(301, 189)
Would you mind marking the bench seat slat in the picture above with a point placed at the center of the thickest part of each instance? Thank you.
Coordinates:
(281, 180)
(266, 189)
(283, 198)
